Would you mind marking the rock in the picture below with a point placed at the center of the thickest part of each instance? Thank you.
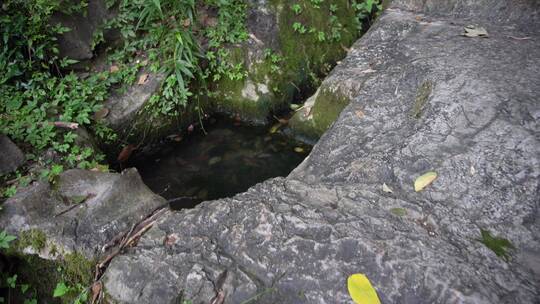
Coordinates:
(11, 157)
(124, 106)
(48, 226)
(77, 43)
(437, 101)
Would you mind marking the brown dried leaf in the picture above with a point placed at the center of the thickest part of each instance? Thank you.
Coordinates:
(96, 291)
(102, 113)
(211, 21)
(360, 114)
(67, 125)
(114, 68)
(126, 153)
(187, 22)
(143, 79)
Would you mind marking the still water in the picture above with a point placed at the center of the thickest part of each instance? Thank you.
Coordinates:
(227, 160)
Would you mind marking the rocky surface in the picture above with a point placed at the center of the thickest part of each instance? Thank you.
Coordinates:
(11, 157)
(466, 108)
(109, 204)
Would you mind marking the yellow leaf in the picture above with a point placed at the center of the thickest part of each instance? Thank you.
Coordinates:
(361, 290)
(424, 180)
(275, 128)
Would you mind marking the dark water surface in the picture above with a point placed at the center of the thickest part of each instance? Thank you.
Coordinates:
(228, 160)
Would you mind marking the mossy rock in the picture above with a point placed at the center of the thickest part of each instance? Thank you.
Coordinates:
(42, 274)
(320, 111)
(304, 58)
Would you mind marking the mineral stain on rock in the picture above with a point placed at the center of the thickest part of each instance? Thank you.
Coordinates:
(422, 97)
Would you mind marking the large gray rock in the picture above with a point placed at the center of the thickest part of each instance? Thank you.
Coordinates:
(466, 108)
(11, 157)
(114, 203)
(77, 43)
(125, 105)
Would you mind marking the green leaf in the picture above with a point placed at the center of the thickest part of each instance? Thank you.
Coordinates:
(498, 245)
(11, 281)
(424, 180)
(60, 290)
(361, 290)
(5, 239)
(24, 287)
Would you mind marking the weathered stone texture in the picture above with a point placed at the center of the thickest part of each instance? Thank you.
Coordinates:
(466, 108)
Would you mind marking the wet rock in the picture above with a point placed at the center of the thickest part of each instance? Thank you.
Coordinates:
(108, 204)
(11, 157)
(296, 240)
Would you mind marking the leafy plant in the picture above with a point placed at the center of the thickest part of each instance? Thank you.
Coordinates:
(365, 9)
(299, 27)
(296, 8)
(5, 239)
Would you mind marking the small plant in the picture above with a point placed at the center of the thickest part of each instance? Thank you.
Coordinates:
(316, 3)
(6, 239)
(28, 295)
(78, 292)
(274, 59)
(299, 27)
(365, 9)
(10, 191)
(296, 8)
(321, 36)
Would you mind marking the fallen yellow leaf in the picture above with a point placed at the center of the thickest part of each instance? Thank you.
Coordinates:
(361, 290)
(424, 180)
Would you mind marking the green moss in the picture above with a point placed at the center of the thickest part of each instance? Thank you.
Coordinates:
(498, 245)
(422, 97)
(327, 108)
(42, 274)
(71, 268)
(304, 54)
(77, 269)
(398, 211)
(33, 238)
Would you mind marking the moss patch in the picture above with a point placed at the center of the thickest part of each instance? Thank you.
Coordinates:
(42, 274)
(33, 238)
(327, 108)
